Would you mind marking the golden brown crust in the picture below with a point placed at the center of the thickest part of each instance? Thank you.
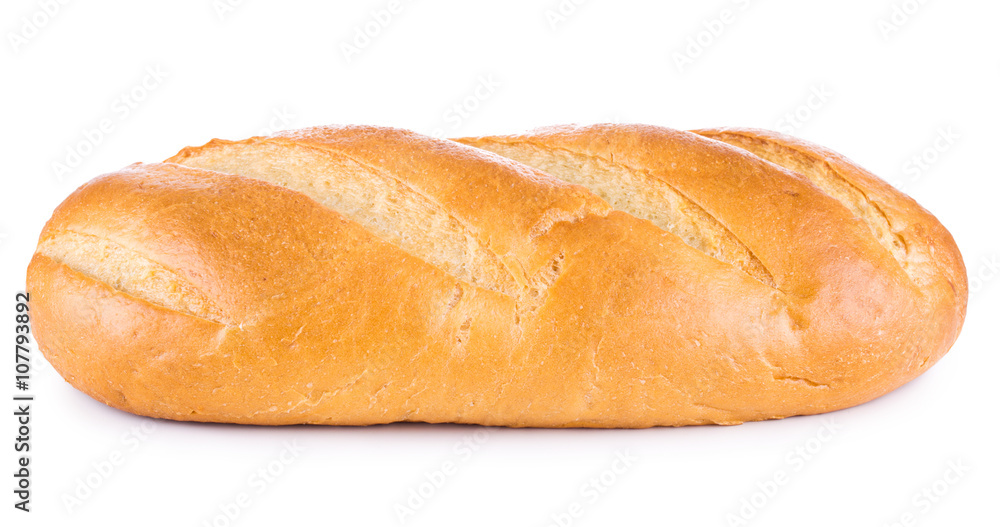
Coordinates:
(864, 326)
(476, 189)
(617, 322)
(928, 252)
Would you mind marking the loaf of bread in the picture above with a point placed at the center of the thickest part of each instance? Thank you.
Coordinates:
(604, 276)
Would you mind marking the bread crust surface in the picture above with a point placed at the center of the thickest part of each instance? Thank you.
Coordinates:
(606, 276)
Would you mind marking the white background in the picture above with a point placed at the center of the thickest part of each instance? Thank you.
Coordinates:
(887, 95)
